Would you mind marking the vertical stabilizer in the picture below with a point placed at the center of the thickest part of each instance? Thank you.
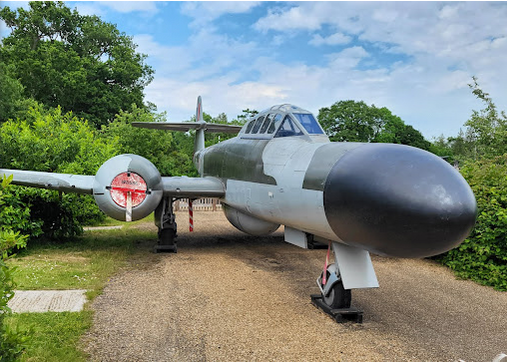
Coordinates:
(199, 135)
(198, 111)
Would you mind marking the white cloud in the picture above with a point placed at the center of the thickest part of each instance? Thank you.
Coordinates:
(207, 11)
(88, 8)
(334, 39)
(292, 19)
(443, 46)
(348, 58)
(131, 6)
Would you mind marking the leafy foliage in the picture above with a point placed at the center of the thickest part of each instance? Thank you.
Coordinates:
(77, 62)
(485, 134)
(171, 156)
(483, 256)
(351, 121)
(12, 341)
(487, 128)
(54, 142)
(214, 138)
(11, 93)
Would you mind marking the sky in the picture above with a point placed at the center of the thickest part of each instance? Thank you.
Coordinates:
(415, 58)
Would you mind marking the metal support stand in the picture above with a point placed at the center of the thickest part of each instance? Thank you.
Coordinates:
(165, 220)
(341, 315)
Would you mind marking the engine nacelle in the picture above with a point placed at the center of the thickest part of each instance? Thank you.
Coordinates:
(248, 224)
(128, 184)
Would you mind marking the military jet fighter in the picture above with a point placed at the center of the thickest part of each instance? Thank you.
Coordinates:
(281, 169)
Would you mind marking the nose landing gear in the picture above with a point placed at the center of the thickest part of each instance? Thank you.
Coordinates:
(334, 299)
(333, 293)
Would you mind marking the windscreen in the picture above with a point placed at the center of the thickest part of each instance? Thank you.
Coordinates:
(309, 123)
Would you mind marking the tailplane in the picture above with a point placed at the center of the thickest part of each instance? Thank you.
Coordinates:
(199, 125)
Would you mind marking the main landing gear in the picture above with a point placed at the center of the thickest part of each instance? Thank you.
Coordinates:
(334, 299)
(167, 228)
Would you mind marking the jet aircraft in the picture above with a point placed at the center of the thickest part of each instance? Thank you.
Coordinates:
(281, 169)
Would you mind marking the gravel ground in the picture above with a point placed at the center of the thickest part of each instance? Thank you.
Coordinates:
(227, 296)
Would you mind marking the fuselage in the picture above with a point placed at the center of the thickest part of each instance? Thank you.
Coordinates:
(389, 199)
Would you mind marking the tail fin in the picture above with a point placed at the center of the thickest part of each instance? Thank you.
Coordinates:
(198, 111)
(199, 125)
(199, 135)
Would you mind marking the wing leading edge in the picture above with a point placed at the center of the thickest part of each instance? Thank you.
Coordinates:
(54, 181)
(172, 186)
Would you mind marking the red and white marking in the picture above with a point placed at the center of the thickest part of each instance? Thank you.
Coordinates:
(128, 190)
(190, 216)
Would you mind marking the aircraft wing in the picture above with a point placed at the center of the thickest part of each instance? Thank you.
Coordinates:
(54, 181)
(192, 187)
(186, 126)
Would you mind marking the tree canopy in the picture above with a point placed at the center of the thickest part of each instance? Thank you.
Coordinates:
(485, 134)
(354, 121)
(78, 62)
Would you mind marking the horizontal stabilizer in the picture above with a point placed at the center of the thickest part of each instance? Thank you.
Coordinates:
(186, 126)
(54, 181)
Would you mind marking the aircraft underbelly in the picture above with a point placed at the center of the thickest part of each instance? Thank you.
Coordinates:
(281, 205)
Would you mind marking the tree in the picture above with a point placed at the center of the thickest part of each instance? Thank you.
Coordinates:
(170, 157)
(487, 128)
(353, 121)
(11, 93)
(246, 115)
(485, 135)
(77, 62)
(350, 121)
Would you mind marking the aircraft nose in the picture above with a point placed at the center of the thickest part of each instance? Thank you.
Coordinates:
(399, 201)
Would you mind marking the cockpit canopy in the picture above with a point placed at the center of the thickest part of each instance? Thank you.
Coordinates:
(282, 121)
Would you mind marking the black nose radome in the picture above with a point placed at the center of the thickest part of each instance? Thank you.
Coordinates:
(398, 200)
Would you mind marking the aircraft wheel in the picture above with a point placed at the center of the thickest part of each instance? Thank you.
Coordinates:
(338, 297)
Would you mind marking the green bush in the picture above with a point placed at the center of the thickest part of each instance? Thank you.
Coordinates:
(483, 256)
(12, 341)
(166, 150)
(50, 141)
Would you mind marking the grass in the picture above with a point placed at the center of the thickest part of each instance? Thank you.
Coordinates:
(55, 335)
(109, 221)
(87, 262)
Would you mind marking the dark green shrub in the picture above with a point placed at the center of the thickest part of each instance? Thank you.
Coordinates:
(483, 256)
(47, 140)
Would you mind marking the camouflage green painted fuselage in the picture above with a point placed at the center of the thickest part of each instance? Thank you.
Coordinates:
(389, 199)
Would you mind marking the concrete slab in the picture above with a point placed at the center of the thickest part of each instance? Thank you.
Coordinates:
(91, 228)
(39, 301)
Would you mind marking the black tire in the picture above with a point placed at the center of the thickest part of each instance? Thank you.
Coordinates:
(338, 297)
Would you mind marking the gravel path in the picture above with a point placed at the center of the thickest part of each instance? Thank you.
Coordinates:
(230, 297)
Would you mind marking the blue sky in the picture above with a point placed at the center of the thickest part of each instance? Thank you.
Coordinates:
(415, 58)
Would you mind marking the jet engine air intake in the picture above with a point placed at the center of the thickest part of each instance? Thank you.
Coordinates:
(128, 187)
(247, 223)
